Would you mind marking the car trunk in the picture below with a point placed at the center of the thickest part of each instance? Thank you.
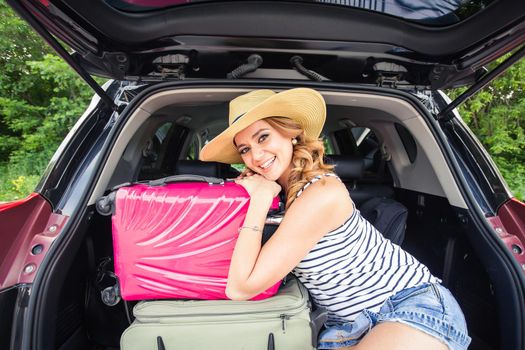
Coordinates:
(76, 317)
(443, 231)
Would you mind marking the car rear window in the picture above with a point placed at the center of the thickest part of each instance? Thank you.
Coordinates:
(429, 12)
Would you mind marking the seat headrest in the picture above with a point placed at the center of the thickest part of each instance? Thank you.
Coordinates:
(347, 167)
(210, 169)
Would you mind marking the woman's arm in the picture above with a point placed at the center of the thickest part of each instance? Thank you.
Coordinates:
(320, 209)
(247, 247)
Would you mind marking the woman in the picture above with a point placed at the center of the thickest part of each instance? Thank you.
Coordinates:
(377, 295)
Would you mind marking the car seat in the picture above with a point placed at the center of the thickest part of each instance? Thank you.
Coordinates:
(374, 201)
(210, 169)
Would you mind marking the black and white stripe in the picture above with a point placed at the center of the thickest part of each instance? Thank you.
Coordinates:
(354, 267)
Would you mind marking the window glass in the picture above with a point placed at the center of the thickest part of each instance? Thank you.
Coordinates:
(328, 148)
(152, 153)
(429, 12)
(359, 133)
(363, 143)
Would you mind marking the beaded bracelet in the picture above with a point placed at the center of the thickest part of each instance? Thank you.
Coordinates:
(253, 228)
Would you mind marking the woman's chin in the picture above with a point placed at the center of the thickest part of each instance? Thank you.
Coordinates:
(273, 173)
(271, 176)
(268, 177)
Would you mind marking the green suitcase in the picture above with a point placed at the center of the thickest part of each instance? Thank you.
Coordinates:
(284, 321)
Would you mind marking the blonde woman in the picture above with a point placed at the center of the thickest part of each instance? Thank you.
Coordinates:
(377, 295)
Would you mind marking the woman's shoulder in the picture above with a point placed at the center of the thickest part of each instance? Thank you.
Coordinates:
(327, 182)
(325, 187)
(324, 200)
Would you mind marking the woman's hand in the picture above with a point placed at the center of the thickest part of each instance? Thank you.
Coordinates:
(257, 186)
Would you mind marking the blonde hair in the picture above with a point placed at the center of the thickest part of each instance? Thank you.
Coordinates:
(307, 157)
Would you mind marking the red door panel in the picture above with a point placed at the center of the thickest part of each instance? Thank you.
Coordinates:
(20, 222)
(512, 216)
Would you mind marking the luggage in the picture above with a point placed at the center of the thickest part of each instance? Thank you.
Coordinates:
(174, 237)
(279, 322)
(388, 217)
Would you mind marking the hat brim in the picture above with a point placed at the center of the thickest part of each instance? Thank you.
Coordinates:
(306, 106)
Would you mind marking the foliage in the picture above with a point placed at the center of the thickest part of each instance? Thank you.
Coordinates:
(497, 116)
(41, 97)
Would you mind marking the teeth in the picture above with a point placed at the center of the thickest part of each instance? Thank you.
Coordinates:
(268, 163)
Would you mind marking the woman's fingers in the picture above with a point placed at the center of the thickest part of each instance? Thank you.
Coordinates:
(246, 173)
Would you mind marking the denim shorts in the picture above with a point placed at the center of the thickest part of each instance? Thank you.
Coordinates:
(430, 308)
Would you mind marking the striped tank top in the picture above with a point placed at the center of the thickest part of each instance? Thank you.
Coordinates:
(354, 267)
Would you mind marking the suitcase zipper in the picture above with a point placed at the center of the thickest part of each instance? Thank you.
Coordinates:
(298, 307)
(284, 318)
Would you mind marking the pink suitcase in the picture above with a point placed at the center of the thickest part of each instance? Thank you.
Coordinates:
(174, 237)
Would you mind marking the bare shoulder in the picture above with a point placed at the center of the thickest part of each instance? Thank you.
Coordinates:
(325, 191)
(326, 200)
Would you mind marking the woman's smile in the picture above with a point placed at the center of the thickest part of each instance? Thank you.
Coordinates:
(266, 165)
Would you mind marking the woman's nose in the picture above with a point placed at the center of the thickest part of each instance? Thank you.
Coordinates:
(257, 153)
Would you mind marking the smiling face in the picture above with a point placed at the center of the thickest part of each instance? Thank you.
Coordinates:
(265, 151)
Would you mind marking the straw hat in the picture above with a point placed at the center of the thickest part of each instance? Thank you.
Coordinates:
(306, 106)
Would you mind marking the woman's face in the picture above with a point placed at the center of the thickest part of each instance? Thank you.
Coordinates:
(265, 151)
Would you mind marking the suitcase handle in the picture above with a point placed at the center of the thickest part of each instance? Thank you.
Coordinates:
(186, 178)
(105, 205)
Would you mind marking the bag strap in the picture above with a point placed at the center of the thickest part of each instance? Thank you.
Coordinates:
(317, 320)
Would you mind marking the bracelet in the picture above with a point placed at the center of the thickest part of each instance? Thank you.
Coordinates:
(253, 228)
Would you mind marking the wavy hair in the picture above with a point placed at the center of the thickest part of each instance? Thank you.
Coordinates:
(307, 157)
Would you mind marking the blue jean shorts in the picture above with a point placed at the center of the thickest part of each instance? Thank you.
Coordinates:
(430, 308)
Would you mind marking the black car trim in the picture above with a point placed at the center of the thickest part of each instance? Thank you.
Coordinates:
(475, 158)
(8, 297)
(133, 30)
(508, 299)
(481, 83)
(127, 45)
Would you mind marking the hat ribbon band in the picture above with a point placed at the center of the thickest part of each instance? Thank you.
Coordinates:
(237, 118)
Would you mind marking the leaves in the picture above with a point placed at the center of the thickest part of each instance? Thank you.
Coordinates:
(497, 116)
(41, 97)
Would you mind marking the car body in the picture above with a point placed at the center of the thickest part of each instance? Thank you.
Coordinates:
(175, 65)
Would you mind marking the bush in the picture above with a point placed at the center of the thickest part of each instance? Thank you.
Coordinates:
(497, 116)
(13, 186)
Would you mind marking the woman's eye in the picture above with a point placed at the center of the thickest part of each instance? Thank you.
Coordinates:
(243, 150)
(262, 138)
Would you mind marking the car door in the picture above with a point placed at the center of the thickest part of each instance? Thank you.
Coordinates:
(26, 226)
(29, 227)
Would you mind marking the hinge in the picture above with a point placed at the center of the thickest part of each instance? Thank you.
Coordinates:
(389, 74)
(172, 66)
(391, 82)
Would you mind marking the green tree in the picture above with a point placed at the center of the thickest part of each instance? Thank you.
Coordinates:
(497, 116)
(41, 97)
(36, 111)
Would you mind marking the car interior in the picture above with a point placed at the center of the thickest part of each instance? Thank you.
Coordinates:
(382, 147)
